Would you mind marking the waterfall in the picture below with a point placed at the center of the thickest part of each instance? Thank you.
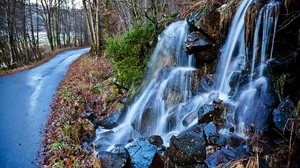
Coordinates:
(166, 98)
(233, 51)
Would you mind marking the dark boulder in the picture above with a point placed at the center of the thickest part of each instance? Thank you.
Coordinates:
(118, 158)
(143, 125)
(188, 148)
(221, 156)
(212, 135)
(210, 112)
(238, 145)
(143, 154)
(283, 112)
(111, 121)
(196, 42)
(189, 118)
(206, 20)
(156, 140)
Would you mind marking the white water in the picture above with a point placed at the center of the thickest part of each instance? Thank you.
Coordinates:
(167, 98)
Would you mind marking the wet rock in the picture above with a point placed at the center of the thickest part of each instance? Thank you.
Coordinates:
(212, 135)
(156, 140)
(118, 158)
(234, 82)
(111, 121)
(206, 83)
(189, 118)
(188, 147)
(255, 106)
(210, 130)
(238, 145)
(144, 126)
(206, 19)
(221, 156)
(210, 112)
(143, 154)
(206, 58)
(102, 141)
(196, 42)
(283, 112)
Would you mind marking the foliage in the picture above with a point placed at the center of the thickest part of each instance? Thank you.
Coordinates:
(87, 87)
(130, 53)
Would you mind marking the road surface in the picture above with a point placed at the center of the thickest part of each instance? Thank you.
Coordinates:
(25, 100)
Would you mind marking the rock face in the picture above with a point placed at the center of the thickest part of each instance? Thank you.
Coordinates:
(196, 42)
(283, 112)
(206, 20)
(188, 148)
(143, 154)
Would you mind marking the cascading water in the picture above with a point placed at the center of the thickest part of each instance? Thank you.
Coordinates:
(167, 97)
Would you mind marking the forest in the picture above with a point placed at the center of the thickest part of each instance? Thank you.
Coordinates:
(182, 83)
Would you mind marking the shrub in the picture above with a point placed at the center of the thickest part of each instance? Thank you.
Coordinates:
(130, 53)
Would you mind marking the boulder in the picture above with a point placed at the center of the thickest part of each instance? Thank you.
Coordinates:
(156, 140)
(143, 154)
(221, 156)
(118, 158)
(206, 20)
(283, 112)
(238, 145)
(143, 125)
(188, 147)
(212, 135)
(196, 42)
(111, 121)
(189, 118)
(210, 112)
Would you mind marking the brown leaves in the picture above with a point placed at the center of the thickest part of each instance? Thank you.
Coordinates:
(67, 125)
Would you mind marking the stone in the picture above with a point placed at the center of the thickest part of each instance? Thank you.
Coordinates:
(144, 126)
(206, 19)
(212, 135)
(188, 148)
(111, 121)
(156, 140)
(221, 156)
(143, 154)
(196, 42)
(189, 118)
(283, 112)
(210, 112)
(118, 158)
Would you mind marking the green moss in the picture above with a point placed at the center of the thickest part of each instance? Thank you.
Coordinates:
(130, 53)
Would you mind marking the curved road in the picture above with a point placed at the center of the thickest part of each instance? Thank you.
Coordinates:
(25, 100)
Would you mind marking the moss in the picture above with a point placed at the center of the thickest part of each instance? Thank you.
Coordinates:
(130, 53)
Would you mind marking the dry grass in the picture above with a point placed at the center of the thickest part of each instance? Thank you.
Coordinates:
(68, 125)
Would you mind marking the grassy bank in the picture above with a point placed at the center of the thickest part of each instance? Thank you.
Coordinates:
(85, 88)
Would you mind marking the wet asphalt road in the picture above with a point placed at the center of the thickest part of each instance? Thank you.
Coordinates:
(25, 100)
